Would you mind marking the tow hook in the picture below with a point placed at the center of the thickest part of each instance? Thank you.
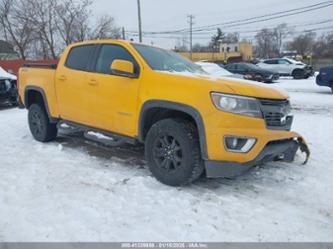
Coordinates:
(304, 149)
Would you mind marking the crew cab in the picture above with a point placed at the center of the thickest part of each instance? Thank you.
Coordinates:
(189, 122)
(288, 67)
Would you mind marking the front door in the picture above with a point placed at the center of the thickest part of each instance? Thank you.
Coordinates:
(117, 96)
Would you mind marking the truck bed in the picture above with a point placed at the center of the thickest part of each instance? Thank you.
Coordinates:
(40, 76)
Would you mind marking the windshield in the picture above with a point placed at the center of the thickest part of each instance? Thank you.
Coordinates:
(294, 61)
(164, 60)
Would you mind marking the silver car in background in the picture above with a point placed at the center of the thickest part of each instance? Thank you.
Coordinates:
(288, 67)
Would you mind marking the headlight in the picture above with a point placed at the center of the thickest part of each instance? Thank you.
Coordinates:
(237, 104)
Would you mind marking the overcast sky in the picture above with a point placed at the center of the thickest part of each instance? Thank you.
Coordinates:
(161, 15)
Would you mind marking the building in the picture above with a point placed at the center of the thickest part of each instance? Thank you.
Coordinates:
(228, 52)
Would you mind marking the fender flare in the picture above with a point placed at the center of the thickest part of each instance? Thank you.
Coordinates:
(42, 93)
(194, 113)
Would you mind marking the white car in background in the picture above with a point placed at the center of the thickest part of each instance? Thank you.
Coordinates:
(288, 67)
(217, 71)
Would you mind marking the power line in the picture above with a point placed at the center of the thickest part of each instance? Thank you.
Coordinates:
(276, 14)
(273, 18)
(329, 28)
(263, 18)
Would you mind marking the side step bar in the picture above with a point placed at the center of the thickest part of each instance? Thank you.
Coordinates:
(97, 135)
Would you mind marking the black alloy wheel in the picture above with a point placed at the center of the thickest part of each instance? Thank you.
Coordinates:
(168, 154)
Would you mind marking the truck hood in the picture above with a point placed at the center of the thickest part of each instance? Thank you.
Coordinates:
(230, 85)
(254, 89)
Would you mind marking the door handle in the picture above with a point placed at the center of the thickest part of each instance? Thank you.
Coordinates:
(62, 78)
(93, 82)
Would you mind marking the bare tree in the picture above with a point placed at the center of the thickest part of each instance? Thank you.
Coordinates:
(323, 47)
(17, 28)
(282, 31)
(303, 43)
(105, 29)
(267, 44)
(231, 38)
(42, 16)
(43, 27)
(73, 23)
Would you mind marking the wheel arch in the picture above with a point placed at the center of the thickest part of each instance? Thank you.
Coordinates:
(297, 69)
(153, 111)
(34, 94)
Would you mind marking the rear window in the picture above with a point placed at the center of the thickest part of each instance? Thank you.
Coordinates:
(80, 57)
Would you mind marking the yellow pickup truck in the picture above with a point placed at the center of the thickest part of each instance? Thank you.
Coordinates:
(190, 122)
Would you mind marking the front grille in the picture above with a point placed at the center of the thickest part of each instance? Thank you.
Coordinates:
(273, 119)
(277, 114)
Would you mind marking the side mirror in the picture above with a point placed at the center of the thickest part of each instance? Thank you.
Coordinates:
(122, 68)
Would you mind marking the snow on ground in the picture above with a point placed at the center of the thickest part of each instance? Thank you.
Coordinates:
(72, 190)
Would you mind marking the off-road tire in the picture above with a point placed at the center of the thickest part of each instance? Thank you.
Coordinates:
(298, 74)
(187, 147)
(40, 126)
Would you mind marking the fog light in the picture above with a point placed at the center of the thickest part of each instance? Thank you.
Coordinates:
(239, 144)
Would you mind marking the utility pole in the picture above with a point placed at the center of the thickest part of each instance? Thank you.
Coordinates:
(123, 33)
(191, 22)
(140, 21)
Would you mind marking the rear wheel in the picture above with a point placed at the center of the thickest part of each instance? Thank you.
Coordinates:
(40, 126)
(298, 74)
(173, 152)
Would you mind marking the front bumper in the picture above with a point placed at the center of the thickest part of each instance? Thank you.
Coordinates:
(281, 150)
(309, 71)
(9, 96)
(5, 98)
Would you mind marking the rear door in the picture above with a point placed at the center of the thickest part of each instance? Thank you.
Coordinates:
(271, 65)
(75, 95)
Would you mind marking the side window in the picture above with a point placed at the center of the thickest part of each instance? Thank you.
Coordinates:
(240, 67)
(271, 62)
(108, 54)
(80, 57)
(284, 62)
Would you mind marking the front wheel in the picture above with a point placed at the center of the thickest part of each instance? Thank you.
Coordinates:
(298, 74)
(173, 152)
(40, 126)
